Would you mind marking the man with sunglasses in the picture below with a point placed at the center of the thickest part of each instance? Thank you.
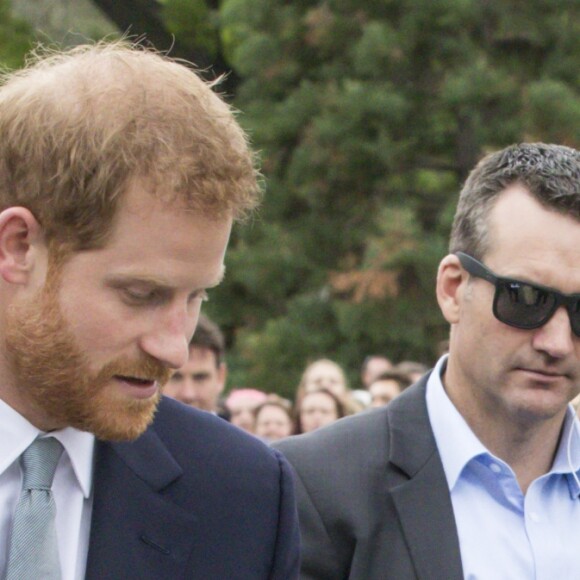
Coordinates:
(473, 471)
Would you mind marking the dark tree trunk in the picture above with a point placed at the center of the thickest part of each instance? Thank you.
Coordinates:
(142, 19)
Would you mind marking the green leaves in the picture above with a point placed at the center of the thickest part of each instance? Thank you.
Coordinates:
(553, 109)
(194, 23)
(15, 37)
(369, 116)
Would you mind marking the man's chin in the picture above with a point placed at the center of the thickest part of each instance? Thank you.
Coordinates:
(120, 419)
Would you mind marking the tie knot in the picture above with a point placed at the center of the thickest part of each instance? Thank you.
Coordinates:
(39, 463)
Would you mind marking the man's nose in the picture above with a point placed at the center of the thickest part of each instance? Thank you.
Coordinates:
(168, 341)
(555, 337)
(189, 388)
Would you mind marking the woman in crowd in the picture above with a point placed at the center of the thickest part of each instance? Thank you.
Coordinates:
(273, 419)
(317, 409)
(241, 404)
(324, 373)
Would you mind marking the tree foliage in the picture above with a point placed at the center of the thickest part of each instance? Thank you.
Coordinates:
(15, 37)
(368, 116)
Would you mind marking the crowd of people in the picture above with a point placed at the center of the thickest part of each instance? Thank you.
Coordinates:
(322, 395)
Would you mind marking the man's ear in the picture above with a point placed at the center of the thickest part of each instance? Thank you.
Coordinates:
(222, 375)
(451, 280)
(21, 243)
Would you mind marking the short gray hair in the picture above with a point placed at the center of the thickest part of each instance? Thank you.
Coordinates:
(551, 173)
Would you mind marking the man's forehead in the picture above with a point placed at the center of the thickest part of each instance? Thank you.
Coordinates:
(202, 353)
(539, 245)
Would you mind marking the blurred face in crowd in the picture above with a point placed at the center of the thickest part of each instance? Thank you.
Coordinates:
(415, 376)
(273, 423)
(325, 375)
(383, 392)
(375, 366)
(317, 410)
(242, 406)
(92, 346)
(200, 381)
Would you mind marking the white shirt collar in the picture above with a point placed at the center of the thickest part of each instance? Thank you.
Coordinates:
(457, 444)
(17, 433)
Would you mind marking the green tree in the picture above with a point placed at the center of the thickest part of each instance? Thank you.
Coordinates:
(368, 116)
(15, 37)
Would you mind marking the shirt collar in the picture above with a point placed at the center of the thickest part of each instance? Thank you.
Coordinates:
(567, 460)
(456, 442)
(17, 433)
(80, 447)
(458, 445)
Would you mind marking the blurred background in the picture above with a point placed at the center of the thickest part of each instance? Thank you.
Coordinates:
(367, 116)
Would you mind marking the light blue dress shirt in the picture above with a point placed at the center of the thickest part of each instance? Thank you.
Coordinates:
(503, 534)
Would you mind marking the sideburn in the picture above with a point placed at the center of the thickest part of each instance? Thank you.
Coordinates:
(54, 376)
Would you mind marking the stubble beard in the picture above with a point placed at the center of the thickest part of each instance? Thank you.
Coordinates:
(54, 377)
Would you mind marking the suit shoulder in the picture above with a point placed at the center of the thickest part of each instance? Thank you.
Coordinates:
(367, 433)
(201, 436)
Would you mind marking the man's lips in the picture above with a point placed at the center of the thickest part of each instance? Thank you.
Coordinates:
(544, 375)
(137, 387)
(135, 380)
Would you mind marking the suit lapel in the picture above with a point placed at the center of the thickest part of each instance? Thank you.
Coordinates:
(423, 503)
(135, 531)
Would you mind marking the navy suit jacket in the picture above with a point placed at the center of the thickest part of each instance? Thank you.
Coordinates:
(373, 498)
(193, 497)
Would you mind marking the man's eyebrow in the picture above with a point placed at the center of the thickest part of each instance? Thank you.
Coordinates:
(145, 279)
(157, 281)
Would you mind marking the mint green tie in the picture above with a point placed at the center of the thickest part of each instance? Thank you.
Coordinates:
(33, 551)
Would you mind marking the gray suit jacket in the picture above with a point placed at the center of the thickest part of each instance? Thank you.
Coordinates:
(373, 498)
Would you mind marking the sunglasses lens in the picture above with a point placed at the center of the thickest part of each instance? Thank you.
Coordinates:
(574, 312)
(523, 305)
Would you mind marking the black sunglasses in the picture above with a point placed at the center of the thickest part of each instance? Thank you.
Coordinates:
(522, 304)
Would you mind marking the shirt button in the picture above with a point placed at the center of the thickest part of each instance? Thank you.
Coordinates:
(495, 467)
(535, 517)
